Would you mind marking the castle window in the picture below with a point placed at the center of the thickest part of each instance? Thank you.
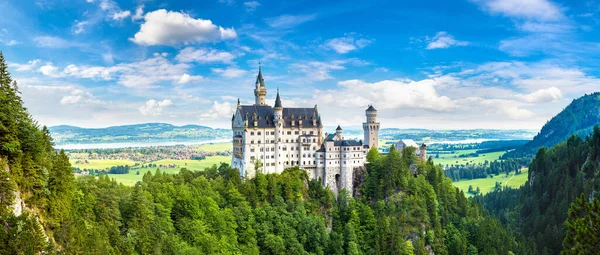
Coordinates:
(258, 141)
(251, 141)
(251, 133)
(289, 132)
(258, 133)
(252, 158)
(296, 132)
(251, 149)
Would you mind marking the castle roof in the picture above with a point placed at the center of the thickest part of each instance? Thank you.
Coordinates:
(259, 78)
(347, 143)
(264, 116)
(338, 128)
(371, 108)
(278, 100)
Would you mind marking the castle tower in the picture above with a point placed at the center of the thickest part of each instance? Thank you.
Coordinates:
(371, 128)
(278, 119)
(338, 132)
(260, 92)
(423, 152)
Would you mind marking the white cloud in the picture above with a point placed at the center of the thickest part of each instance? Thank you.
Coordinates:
(49, 70)
(551, 94)
(288, 21)
(318, 71)
(173, 28)
(251, 5)
(388, 94)
(543, 10)
(53, 42)
(32, 64)
(190, 54)
(79, 96)
(143, 74)
(121, 15)
(218, 110)
(230, 72)
(154, 108)
(79, 26)
(139, 13)
(346, 44)
(186, 78)
(443, 40)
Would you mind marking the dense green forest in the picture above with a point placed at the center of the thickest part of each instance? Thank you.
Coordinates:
(578, 118)
(563, 186)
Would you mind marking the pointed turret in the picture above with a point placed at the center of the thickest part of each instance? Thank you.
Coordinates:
(259, 78)
(260, 91)
(278, 100)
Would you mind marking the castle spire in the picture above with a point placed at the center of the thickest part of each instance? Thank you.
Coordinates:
(278, 100)
(259, 77)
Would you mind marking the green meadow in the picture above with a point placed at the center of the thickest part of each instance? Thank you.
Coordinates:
(132, 177)
(215, 147)
(487, 184)
(455, 159)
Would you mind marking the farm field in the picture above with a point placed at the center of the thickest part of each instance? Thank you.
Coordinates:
(102, 163)
(215, 147)
(454, 159)
(487, 184)
(132, 178)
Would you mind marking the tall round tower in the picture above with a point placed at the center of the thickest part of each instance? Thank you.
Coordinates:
(278, 120)
(371, 128)
(260, 91)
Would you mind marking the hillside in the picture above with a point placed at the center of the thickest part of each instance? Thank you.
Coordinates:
(578, 118)
(539, 209)
(136, 133)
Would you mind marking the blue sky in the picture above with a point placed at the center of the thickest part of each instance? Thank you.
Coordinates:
(423, 64)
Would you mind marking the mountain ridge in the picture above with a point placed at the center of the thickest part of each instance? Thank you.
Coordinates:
(578, 118)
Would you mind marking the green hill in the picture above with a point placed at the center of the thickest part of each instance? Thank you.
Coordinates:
(578, 118)
(136, 133)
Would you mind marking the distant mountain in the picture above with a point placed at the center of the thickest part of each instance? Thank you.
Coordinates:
(65, 134)
(578, 118)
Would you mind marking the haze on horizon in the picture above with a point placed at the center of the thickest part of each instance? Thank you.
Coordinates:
(496, 64)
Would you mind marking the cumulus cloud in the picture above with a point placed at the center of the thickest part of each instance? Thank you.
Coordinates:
(186, 78)
(154, 108)
(230, 72)
(543, 10)
(389, 94)
(49, 70)
(162, 27)
(191, 54)
(79, 26)
(251, 5)
(289, 21)
(443, 40)
(346, 44)
(551, 94)
(218, 110)
(79, 96)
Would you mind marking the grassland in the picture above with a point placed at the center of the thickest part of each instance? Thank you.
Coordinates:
(102, 163)
(131, 178)
(215, 147)
(487, 184)
(454, 159)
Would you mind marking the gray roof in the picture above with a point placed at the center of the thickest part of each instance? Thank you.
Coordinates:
(338, 128)
(264, 116)
(329, 137)
(371, 109)
(259, 78)
(347, 143)
(278, 101)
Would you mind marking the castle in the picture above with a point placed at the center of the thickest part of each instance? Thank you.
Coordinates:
(280, 137)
